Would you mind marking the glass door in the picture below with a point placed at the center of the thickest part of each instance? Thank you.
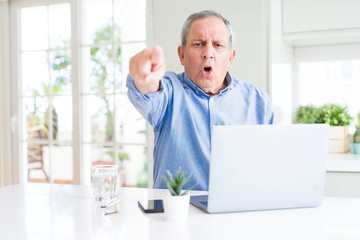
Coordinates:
(71, 101)
(46, 93)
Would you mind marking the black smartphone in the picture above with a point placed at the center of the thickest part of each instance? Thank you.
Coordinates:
(152, 206)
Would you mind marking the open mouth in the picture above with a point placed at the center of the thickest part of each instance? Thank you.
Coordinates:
(207, 69)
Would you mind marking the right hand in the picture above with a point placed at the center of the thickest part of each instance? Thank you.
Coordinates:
(147, 68)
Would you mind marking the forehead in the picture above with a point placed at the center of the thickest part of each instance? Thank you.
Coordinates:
(208, 27)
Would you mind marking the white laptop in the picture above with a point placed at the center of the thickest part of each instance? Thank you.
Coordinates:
(263, 167)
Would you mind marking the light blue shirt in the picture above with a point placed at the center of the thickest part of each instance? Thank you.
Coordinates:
(182, 116)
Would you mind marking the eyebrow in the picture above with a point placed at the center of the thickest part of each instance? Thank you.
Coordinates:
(202, 41)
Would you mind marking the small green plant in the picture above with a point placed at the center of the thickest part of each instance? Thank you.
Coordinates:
(335, 115)
(358, 123)
(308, 114)
(332, 114)
(176, 184)
(122, 156)
(357, 132)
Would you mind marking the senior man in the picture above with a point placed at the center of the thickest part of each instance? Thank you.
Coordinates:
(182, 108)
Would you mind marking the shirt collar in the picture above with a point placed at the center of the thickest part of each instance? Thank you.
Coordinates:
(228, 81)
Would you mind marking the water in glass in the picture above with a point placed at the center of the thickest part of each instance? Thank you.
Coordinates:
(105, 182)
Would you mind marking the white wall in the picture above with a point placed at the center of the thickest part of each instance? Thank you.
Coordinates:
(309, 22)
(320, 15)
(249, 19)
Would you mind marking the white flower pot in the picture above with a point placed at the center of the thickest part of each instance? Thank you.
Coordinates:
(176, 208)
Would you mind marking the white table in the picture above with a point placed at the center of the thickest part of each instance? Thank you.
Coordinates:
(50, 211)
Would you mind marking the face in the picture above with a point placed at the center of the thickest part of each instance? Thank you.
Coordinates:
(207, 56)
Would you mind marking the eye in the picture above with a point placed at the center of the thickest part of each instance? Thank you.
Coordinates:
(198, 44)
(218, 45)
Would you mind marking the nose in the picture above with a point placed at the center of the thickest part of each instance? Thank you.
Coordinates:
(208, 52)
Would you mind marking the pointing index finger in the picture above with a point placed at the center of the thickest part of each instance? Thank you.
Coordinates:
(156, 57)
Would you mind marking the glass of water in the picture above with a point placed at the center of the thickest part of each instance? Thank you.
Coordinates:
(105, 182)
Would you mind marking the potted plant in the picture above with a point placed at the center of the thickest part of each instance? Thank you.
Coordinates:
(176, 205)
(308, 114)
(336, 116)
(355, 145)
(339, 119)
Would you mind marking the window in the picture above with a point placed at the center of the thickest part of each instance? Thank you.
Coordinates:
(321, 74)
(73, 105)
(329, 74)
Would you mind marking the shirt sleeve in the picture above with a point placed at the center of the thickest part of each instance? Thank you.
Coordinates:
(268, 110)
(269, 113)
(151, 106)
(264, 110)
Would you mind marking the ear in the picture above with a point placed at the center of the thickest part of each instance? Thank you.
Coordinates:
(232, 56)
(181, 54)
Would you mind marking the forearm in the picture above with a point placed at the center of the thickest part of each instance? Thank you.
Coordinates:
(151, 106)
(146, 88)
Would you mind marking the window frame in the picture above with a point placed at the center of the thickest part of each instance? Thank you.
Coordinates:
(6, 170)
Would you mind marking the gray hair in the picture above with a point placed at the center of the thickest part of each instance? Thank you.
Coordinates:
(205, 14)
